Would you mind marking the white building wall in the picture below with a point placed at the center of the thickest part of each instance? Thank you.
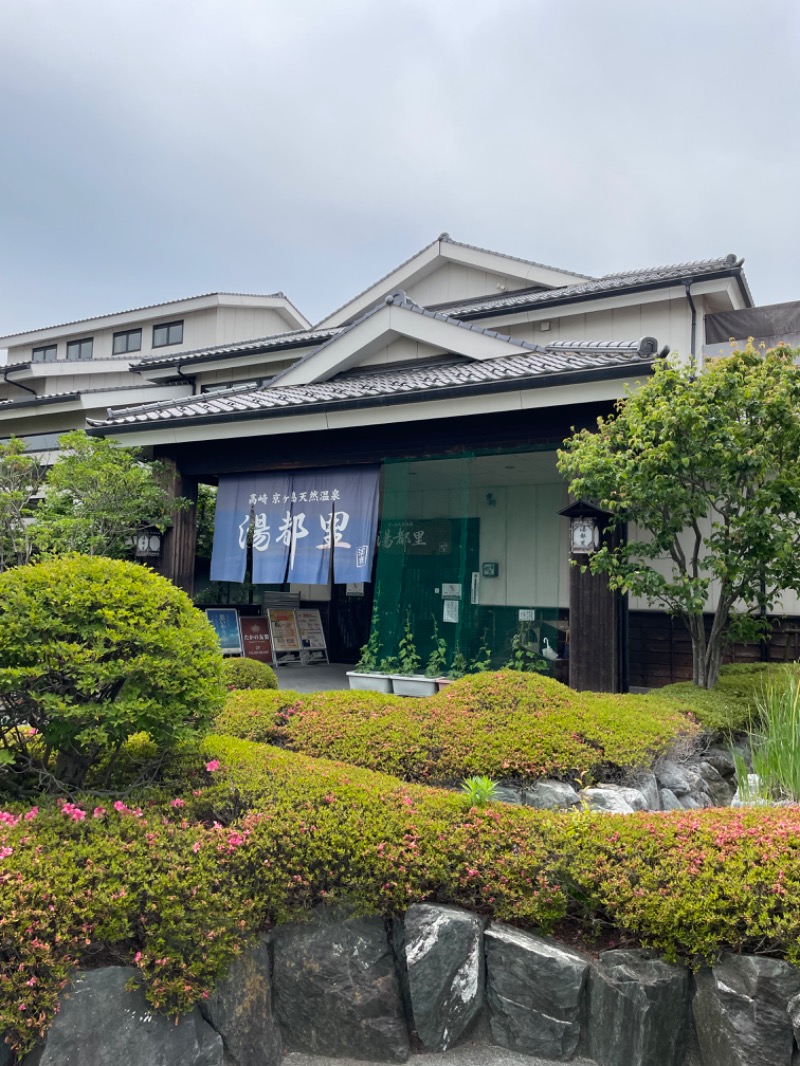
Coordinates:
(454, 281)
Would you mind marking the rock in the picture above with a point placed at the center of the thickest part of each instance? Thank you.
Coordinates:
(750, 796)
(336, 989)
(101, 1024)
(695, 801)
(669, 801)
(442, 948)
(721, 760)
(535, 990)
(607, 800)
(508, 794)
(742, 1011)
(240, 1010)
(638, 1010)
(552, 796)
(672, 776)
(646, 783)
(721, 790)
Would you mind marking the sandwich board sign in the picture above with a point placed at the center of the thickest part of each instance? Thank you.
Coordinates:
(225, 621)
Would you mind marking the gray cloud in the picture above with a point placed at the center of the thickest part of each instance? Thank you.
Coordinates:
(155, 150)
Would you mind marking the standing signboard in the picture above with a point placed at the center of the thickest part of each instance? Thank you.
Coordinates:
(256, 639)
(312, 637)
(225, 621)
(285, 638)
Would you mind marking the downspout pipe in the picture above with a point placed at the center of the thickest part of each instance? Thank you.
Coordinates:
(693, 337)
(6, 371)
(189, 381)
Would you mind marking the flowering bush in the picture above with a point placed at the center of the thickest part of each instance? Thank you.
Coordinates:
(502, 724)
(248, 673)
(177, 885)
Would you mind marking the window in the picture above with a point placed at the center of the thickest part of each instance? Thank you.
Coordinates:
(129, 340)
(45, 355)
(80, 349)
(167, 333)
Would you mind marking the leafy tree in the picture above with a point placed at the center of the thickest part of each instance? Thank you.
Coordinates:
(92, 651)
(98, 496)
(20, 478)
(704, 466)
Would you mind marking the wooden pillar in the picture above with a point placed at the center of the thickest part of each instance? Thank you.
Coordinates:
(180, 541)
(594, 628)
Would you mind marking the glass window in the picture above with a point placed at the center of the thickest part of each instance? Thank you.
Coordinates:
(80, 349)
(129, 340)
(167, 333)
(46, 354)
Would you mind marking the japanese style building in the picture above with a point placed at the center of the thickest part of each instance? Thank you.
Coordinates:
(451, 382)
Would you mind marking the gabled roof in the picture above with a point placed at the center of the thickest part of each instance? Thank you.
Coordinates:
(444, 249)
(277, 300)
(562, 363)
(298, 338)
(395, 317)
(609, 284)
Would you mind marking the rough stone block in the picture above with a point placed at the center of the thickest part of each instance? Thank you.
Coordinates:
(742, 1011)
(336, 990)
(535, 990)
(638, 1011)
(101, 1024)
(552, 796)
(240, 1010)
(443, 952)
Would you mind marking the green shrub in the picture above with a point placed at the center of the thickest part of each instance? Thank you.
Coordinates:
(248, 673)
(256, 714)
(731, 705)
(92, 651)
(774, 741)
(504, 724)
(178, 887)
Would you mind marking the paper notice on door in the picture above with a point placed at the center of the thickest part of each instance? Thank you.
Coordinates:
(450, 611)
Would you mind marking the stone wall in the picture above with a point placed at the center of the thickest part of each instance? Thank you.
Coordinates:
(361, 988)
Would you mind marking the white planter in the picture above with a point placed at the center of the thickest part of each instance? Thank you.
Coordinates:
(369, 682)
(410, 685)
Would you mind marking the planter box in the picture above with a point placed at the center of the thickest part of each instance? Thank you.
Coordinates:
(369, 682)
(405, 685)
(443, 682)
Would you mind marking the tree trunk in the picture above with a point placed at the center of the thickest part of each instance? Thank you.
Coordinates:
(71, 768)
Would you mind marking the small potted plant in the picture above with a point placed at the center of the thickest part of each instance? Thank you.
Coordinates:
(369, 674)
(437, 660)
(408, 681)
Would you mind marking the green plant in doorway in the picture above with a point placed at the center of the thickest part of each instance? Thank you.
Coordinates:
(437, 660)
(368, 661)
(483, 660)
(408, 656)
(523, 659)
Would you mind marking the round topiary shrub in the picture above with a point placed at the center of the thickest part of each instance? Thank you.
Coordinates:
(248, 673)
(92, 651)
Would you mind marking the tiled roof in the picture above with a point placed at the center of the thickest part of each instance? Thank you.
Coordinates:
(399, 299)
(387, 385)
(609, 283)
(292, 339)
(74, 394)
(151, 307)
(445, 238)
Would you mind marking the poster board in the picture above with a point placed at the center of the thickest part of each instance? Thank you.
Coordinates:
(256, 639)
(312, 637)
(225, 621)
(284, 636)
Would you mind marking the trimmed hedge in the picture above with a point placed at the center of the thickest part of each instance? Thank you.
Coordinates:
(248, 674)
(503, 724)
(732, 704)
(179, 887)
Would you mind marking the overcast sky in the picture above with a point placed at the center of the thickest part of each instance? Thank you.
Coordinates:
(158, 149)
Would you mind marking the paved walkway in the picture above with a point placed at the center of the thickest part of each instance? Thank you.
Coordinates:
(321, 677)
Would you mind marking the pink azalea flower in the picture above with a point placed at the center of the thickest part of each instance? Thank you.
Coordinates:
(5, 852)
(31, 814)
(99, 812)
(212, 766)
(177, 802)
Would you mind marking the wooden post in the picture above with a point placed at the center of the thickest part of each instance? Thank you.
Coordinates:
(594, 653)
(180, 541)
